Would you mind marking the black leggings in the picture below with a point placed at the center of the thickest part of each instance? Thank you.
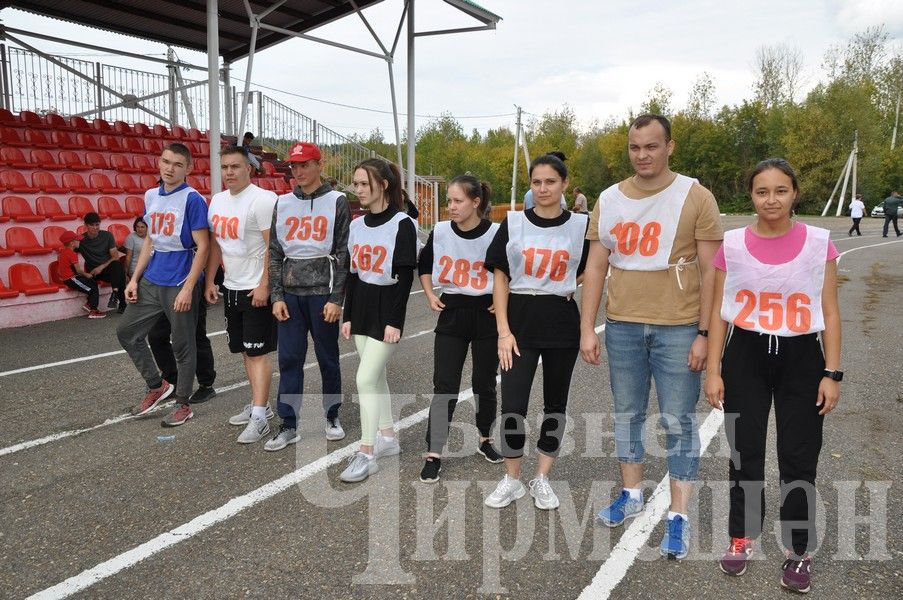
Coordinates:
(557, 367)
(757, 369)
(855, 226)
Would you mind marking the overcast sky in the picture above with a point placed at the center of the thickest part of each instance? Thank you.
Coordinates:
(599, 57)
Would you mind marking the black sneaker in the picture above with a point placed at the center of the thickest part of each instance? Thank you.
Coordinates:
(113, 302)
(121, 308)
(431, 469)
(489, 453)
(202, 394)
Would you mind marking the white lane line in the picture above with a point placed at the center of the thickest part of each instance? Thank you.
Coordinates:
(845, 252)
(108, 568)
(126, 417)
(634, 539)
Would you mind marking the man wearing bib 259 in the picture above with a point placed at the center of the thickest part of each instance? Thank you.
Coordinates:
(658, 231)
(308, 268)
(170, 265)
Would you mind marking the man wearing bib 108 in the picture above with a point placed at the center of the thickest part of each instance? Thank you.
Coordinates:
(658, 231)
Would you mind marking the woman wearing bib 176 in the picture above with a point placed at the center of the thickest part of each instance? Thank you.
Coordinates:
(537, 259)
(776, 285)
(452, 260)
(383, 247)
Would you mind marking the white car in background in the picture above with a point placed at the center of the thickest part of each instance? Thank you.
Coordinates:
(878, 211)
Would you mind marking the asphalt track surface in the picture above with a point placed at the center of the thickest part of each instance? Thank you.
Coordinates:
(94, 505)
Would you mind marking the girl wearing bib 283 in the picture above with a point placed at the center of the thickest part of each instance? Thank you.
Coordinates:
(383, 248)
(776, 286)
(452, 260)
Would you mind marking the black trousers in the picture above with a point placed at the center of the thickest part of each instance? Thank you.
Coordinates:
(459, 328)
(758, 369)
(888, 219)
(161, 347)
(114, 274)
(85, 285)
(855, 226)
(557, 367)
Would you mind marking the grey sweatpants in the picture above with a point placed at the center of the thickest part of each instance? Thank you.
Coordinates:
(137, 322)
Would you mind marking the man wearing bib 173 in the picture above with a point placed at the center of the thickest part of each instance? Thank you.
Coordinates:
(308, 268)
(658, 231)
(170, 263)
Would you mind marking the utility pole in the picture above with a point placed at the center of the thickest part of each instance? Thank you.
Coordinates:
(514, 166)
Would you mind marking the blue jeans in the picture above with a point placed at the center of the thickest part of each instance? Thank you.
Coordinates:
(638, 352)
(306, 315)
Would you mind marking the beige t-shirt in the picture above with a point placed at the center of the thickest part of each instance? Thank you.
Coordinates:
(655, 297)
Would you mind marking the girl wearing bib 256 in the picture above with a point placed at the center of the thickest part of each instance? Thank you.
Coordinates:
(776, 286)
(537, 259)
(383, 248)
(452, 260)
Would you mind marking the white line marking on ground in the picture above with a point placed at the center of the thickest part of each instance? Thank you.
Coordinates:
(126, 417)
(89, 577)
(845, 252)
(634, 539)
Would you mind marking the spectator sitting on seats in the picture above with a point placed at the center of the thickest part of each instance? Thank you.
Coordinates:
(101, 255)
(71, 273)
(247, 141)
(133, 244)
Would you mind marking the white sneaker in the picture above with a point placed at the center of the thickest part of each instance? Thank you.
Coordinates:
(386, 447)
(334, 431)
(244, 416)
(543, 495)
(359, 468)
(255, 431)
(507, 491)
(285, 436)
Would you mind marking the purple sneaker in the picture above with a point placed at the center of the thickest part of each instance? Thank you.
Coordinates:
(797, 575)
(734, 561)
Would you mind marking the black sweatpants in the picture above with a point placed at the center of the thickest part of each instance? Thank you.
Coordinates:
(757, 369)
(114, 274)
(855, 226)
(161, 347)
(457, 329)
(557, 367)
(85, 285)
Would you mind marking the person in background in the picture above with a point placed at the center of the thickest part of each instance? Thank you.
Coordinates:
(247, 141)
(891, 205)
(133, 244)
(580, 203)
(75, 277)
(98, 248)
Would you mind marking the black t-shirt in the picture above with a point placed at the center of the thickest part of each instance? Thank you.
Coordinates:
(96, 251)
(371, 307)
(541, 321)
(425, 267)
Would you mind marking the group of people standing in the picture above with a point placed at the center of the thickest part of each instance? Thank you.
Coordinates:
(758, 311)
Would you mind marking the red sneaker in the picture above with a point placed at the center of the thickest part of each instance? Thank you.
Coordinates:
(153, 398)
(87, 307)
(96, 314)
(180, 414)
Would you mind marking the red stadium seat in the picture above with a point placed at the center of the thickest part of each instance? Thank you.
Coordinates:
(128, 184)
(8, 118)
(109, 208)
(52, 235)
(89, 142)
(267, 184)
(122, 163)
(80, 124)
(149, 182)
(81, 230)
(46, 182)
(102, 126)
(202, 166)
(153, 146)
(269, 168)
(120, 232)
(13, 157)
(122, 128)
(57, 122)
(161, 132)
(198, 183)
(64, 139)
(54, 277)
(72, 161)
(5, 292)
(18, 209)
(96, 160)
(179, 134)
(74, 182)
(27, 279)
(133, 145)
(134, 205)
(14, 181)
(38, 139)
(102, 184)
(142, 130)
(112, 144)
(32, 120)
(282, 186)
(145, 164)
(23, 241)
(50, 209)
(80, 206)
(11, 137)
(43, 159)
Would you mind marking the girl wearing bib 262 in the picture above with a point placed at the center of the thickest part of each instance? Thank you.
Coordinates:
(776, 287)
(383, 248)
(537, 259)
(452, 260)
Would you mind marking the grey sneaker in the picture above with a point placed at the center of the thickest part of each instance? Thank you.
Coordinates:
(285, 436)
(244, 416)
(543, 495)
(386, 447)
(334, 431)
(254, 432)
(359, 468)
(507, 491)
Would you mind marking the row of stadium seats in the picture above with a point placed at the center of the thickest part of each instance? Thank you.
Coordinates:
(56, 122)
(18, 209)
(22, 241)
(36, 138)
(26, 278)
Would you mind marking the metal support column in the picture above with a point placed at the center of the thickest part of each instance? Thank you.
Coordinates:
(5, 97)
(412, 133)
(246, 95)
(171, 68)
(229, 128)
(98, 86)
(514, 166)
(213, 92)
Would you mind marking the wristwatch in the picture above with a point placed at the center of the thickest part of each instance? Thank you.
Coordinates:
(835, 375)
(703, 332)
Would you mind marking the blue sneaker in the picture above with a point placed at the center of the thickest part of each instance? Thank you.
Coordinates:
(620, 510)
(674, 545)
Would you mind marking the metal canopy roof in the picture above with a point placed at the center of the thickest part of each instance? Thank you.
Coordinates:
(153, 20)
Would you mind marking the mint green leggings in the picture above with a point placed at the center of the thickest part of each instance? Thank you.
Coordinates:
(372, 386)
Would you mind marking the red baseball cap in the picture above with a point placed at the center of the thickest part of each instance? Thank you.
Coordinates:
(68, 236)
(302, 152)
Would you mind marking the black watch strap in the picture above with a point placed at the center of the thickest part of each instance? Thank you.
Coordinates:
(703, 332)
(835, 375)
